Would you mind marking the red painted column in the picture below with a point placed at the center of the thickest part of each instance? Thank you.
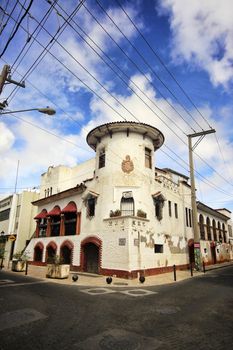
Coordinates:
(48, 231)
(78, 223)
(62, 225)
(37, 228)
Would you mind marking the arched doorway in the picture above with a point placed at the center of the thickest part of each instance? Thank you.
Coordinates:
(213, 252)
(38, 252)
(91, 249)
(91, 261)
(66, 252)
(191, 252)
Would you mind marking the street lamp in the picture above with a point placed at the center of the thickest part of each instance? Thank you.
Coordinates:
(47, 110)
(193, 194)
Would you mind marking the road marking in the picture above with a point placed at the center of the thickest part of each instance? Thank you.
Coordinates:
(131, 292)
(6, 281)
(138, 292)
(97, 291)
(22, 284)
(19, 317)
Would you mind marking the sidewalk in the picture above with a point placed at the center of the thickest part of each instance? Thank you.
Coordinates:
(91, 280)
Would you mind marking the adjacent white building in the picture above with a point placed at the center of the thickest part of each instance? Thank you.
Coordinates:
(119, 214)
(17, 224)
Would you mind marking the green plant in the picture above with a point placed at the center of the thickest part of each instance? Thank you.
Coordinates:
(21, 256)
(115, 213)
(2, 253)
(55, 260)
(141, 213)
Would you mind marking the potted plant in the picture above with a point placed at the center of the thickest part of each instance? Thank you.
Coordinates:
(56, 268)
(115, 213)
(19, 261)
(141, 213)
(2, 254)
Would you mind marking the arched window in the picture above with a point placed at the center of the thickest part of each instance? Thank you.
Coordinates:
(127, 204)
(224, 233)
(214, 230)
(51, 251)
(159, 203)
(202, 228)
(219, 232)
(66, 252)
(55, 220)
(38, 252)
(208, 229)
(70, 218)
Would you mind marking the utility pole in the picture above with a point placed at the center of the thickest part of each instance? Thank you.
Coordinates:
(5, 78)
(196, 230)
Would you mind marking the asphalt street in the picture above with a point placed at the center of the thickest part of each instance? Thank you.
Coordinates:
(190, 314)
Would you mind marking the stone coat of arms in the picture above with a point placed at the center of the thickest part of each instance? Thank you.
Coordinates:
(127, 165)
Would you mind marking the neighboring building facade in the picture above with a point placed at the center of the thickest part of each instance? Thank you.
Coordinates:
(116, 214)
(17, 225)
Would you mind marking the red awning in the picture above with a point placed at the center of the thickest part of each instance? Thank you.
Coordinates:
(70, 208)
(41, 215)
(56, 211)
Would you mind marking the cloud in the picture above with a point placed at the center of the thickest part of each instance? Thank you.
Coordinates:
(202, 35)
(7, 138)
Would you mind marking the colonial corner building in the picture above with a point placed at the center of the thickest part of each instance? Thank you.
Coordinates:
(119, 214)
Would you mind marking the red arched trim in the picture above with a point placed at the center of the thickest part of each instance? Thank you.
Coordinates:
(190, 242)
(68, 244)
(94, 240)
(70, 208)
(39, 245)
(41, 215)
(52, 245)
(56, 211)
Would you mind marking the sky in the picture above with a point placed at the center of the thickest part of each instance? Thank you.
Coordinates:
(166, 63)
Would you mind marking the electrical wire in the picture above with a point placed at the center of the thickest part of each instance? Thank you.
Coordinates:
(16, 29)
(162, 63)
(9, 16)
(42, 21)
(45, 48)
(148, 65)
(119, 76)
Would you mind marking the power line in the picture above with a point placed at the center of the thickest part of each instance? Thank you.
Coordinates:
(43, 20)
(147, 64)
(5, 13)
(162, 63)
(81, 81)
(16, 29)
(118, 75)
(50, 43)
(135, 65)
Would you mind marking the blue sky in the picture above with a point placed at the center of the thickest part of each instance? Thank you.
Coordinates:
(122, 78)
